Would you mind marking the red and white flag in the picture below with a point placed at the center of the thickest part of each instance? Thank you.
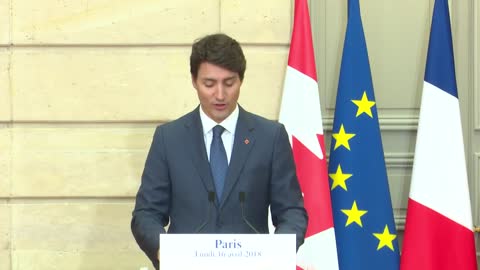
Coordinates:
(301, 114)
(438, 230)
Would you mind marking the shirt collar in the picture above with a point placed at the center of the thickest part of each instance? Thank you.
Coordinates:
(229, 123)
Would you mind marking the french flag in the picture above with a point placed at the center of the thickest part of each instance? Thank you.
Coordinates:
(301, 114)
(438, 230)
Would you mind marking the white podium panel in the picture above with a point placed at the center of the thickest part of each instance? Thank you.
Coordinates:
(227, 251)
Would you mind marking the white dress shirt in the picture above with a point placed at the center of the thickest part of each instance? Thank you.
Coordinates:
(230, 123)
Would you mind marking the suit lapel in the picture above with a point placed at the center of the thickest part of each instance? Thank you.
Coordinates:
(242, 145)
(197, 144)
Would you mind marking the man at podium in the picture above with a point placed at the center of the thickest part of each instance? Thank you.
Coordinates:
(218, 168)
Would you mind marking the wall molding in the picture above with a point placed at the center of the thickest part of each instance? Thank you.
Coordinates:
(400, 219)
(476, 63)
(474, 186)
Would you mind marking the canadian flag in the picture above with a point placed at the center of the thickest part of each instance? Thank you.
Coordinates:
(438, 230)
(301, 114)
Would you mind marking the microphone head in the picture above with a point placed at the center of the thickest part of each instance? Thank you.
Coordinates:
(211, 196)
(241, 196)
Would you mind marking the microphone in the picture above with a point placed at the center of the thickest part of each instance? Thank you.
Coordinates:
(241, 198)
(211, 199)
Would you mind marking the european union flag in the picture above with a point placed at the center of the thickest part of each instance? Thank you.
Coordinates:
(362, 210)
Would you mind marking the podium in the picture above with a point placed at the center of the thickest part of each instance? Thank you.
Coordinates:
(227, 251)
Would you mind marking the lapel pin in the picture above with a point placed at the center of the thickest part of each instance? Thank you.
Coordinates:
(247, 141)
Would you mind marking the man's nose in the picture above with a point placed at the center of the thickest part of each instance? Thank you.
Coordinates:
(220, 93)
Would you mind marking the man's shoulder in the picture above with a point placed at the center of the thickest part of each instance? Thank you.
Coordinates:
(183, 120)
(260, 121)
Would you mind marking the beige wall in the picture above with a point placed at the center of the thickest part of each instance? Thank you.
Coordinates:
(83, 84)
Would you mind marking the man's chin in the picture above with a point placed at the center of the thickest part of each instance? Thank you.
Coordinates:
(219, 117)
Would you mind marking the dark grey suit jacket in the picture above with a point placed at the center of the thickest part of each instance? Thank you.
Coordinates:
(177, 179)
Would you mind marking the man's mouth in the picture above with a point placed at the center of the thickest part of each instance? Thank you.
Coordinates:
(220, 106)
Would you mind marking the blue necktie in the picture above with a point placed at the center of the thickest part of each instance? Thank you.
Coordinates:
(218, 160)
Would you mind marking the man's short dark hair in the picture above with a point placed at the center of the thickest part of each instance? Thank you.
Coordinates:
(220, 50)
